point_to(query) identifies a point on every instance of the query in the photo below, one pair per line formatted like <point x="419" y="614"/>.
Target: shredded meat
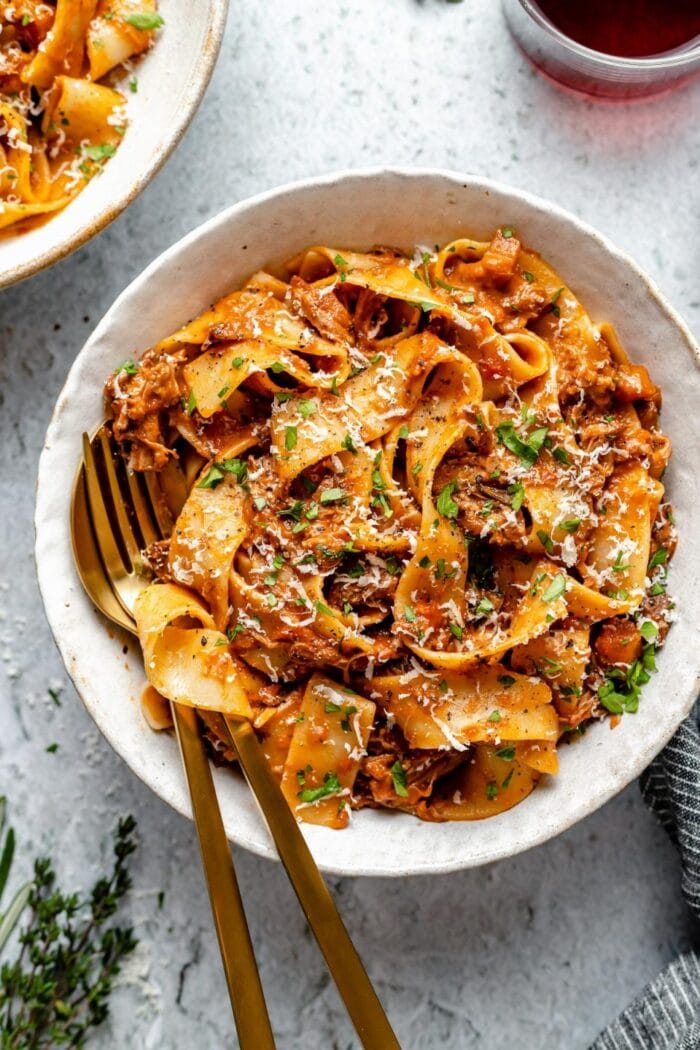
<point x="373" y="590"/>
<point x="482" y="500"/>
<point x="375" y="784"/>
<point x="138" y="401"/>
<point x="321" y="308"/>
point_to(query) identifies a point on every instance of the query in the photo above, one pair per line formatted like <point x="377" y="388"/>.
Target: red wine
<point x="629" y="28"/>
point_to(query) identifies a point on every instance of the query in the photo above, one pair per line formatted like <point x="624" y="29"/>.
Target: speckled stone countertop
<point x="537" y="952"/>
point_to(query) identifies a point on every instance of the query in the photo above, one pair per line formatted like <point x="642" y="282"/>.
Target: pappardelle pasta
<point x="419" y="531"/>
<point x="59" y="124"/>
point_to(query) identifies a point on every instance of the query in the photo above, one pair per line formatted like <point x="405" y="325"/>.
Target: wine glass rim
<point x="667" y="60"/>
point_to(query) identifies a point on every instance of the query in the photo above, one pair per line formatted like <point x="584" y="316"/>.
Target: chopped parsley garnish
<point x="546" y="541"/>
<point x="492" y="789"/>
<point x="506" y="753"/>
<point x="332" y="495"/>
<point x="484" y="607"/>
<point x="443" y="686"/>
<point x="307" y="408"/>
<point x="100" y="152"/>
<point x="409" y="614"/>
<point x="127" y="366"/>
<point x="290" y="438"/>
<point x="145" y="20"/>
<point x="495" y="716"/>
<point x="570" y="525"/>
<point x="445" y="504"/>
<point x="191" y="403"/>
<point x="556" y="588"/>
<point x="393" y="565"/>
<point x="506" y="680"/>
<point x="508" y="231"/>
<point x="217" y="471"/>
<point x="398" y="776"/>
<point x="554" y="308"/>
<point x="648" y="630"/>
<point x="517" y="494"/>
<point x="331" y="786"/>
<point x="133" y="85"/>
<point x="659" y="557"/>
<point x="618" y="565"/>
<point x="527" y="450"/>
<point x="456" y="631"/>
<point x="561" y="454"/>
<point x="403" y="431"/>
<point x="425" y="562"/>
<point x="348" y="444"/>
<point x="529" y="277"/>
<point x="321" y="607"/>
<point x="622" y="688"/>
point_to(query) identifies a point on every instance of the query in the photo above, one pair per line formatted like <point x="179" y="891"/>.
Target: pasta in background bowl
<point x="355" y="211"/>
<point x="95" y="95"/>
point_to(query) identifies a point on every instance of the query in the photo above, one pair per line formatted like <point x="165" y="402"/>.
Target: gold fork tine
<point x="144" y="515"/>
<point x="110" y="554"/>
<point x="158" y="508"/>
<point x="107" y="579"/>
<point x="87" y="558"/>
<point x="124" y="529"/>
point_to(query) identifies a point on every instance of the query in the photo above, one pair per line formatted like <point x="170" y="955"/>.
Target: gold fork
<point x="107" y="552"/>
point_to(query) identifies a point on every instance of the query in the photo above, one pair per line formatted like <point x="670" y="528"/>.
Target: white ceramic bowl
<point x="358" y="210"/>
<point x="172" y="78"/>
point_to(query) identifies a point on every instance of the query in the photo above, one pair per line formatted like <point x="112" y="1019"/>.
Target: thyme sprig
<point x="58" y="986"/>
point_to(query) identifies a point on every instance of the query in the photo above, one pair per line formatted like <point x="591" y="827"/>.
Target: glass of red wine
<point x="610" y="48"/>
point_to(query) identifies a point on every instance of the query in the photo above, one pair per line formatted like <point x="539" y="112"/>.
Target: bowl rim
<point x="262" y="846"/>
<point x="214" y="30"/>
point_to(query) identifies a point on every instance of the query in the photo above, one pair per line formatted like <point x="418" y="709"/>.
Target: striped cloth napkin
<point x="666" y="1016"/>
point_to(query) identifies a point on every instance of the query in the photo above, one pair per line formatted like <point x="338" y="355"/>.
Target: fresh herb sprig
<point x="58" y="987"/>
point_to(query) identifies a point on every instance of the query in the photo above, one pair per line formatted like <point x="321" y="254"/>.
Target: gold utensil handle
<point x="242" y="977"/>
<point x="345" y="965"/>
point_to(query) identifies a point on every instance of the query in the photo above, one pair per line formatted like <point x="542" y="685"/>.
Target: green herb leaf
<point x="290" y="438"/>
<point x="127" y="366"/>
<point x="331" y="786"/>
<point x="527" y="450"/>
<point x="484" y="607"/>
<point x="332" y="495"/>
<point x="556" y="588"/>
<point x="398" y="776"/>
<point x="445" y="504"/>
<point x="649" y="631"/>
<point x="307" y="408"/>
<point x="659" y="557"/>
<point x="145" y="20"/>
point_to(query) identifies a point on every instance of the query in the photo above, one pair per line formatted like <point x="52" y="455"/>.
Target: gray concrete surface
<point x="537" y="952"/>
